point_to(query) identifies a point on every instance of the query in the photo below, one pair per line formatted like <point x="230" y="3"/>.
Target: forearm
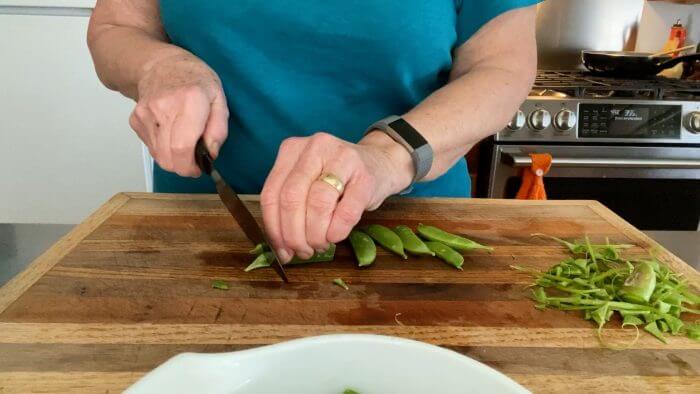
<point x="126" y="39"/>
<point x="467" y="109"/>
<point x="123" y="55"/>
<point x="489" y="79"/>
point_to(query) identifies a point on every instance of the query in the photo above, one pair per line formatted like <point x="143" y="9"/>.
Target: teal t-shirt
<point x="292" y="68"/>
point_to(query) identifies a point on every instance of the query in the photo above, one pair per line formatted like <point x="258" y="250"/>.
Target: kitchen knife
<point x="235" y="206"/>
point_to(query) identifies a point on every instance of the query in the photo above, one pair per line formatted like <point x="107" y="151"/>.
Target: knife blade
<point x="235" y="206"/>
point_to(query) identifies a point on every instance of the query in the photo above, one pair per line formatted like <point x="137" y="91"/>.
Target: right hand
<point x="180" y="100"/>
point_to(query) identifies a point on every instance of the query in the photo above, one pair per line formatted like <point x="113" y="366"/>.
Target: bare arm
<point x="126" y="38"/>
<point x="491" y="75"/>
<point x="179" y="98"/>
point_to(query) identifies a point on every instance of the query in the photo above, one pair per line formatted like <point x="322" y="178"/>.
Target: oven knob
<point x="565" y="120"/>
<point x="693" y="122"/>
<point x="540" y="120"/>
<point x="517" y="122"/>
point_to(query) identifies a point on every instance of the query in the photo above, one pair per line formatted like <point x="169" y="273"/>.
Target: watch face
<point x="408" y="133"/>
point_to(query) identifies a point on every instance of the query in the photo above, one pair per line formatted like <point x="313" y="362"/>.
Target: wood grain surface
<point x="131" y="287"/>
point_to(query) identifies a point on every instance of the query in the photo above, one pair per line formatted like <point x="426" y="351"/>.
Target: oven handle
<point x="523" y="160"/>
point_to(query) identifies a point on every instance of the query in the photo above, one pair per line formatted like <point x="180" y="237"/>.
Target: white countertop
<point x="48" y="3"/>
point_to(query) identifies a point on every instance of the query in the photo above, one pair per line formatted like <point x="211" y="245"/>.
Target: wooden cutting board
<point x="131" y="286"/>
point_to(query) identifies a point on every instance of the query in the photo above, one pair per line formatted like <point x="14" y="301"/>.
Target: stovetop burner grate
<point x="581" y="84"/>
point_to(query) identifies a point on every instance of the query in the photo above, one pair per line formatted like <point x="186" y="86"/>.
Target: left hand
<point x="303" y="214"/>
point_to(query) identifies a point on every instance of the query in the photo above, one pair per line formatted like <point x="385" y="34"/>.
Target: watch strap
<point x="403" y="133"/>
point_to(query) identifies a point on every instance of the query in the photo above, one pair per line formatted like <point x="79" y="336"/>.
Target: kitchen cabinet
<point x="65" y="142"/>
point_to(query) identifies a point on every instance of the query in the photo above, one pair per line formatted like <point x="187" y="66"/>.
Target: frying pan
<point x="630" y="64"/>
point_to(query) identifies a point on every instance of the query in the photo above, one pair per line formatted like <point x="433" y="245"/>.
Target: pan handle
<point x="672" y="62"/>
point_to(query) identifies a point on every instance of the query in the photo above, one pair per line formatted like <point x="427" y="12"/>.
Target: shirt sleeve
<point x="473" y="14"/>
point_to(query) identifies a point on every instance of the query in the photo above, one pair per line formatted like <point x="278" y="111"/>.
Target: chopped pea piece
<point x="261" y="261"/>
<point x="692" y="331"/>
<point x="341" y="283"/>
<point x="653" y="329"/>
<point x="350" y="391"/>
<point x="219" y="284"/>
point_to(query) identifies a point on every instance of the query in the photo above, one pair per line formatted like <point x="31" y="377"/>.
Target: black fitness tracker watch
<point x="402" y="132"/>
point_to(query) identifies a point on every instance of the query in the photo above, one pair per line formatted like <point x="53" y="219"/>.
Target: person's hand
<point x="180" y="100"/>
<point x="303" y="214"/>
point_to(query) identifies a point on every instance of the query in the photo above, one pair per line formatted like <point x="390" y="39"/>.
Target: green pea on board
<point x="364" y="248"/>
<point x="433" y="233"/>
<point x="327" y="255"/>
<point x="446" y="253"/>
<point x="265" y="259"/>
<point x="387" y="238"/>
<point x="411" y="242"/>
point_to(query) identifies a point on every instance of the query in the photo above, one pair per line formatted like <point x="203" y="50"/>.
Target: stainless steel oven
<point x="651" y="187"/>
<point x="632" y="145"/>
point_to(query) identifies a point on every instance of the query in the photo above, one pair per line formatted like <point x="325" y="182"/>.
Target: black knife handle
<point x="202" y="157"/>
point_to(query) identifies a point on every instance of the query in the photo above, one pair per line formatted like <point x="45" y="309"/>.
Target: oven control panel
<point x="554" y="119"/>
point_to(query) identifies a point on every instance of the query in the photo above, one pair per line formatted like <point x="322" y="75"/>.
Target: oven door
<point x="653" y="188"/>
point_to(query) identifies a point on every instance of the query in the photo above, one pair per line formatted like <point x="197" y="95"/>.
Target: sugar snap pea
<point x="327" y="255"/>
<point x="446" y="253"/>
<point x="265" y="259"/>
<point x="387" y="238"/>
<point x="364" y="248"/>
<point x="433" y="233"/>
<point x="411" y="242"/>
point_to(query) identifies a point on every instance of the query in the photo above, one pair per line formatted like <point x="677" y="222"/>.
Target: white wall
<point x="657" y="20"/>
<point x="65" y="142"/>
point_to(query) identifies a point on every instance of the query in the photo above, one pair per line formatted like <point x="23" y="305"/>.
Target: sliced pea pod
<point x="411" y="242"/>
<point x="387" y="238"/>
<point x="640" y="284"/>
<point x="259" y="249"/>
<point x="433" y="233"/>
<point x="364" y="248"/>
<point x="263" y="260"/>
<point x="220" y="284"/>
<point x="446" y="253"/>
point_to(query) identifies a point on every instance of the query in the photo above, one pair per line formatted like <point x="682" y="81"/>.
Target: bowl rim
<point x="319" y="340"/>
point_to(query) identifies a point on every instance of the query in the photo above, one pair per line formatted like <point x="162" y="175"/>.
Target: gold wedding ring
<point x="334" y="181"/>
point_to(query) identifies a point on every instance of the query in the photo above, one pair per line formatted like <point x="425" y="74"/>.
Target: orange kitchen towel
<point x="533" y="182"/>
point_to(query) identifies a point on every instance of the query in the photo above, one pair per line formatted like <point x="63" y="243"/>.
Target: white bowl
<point x="328" y="364"/>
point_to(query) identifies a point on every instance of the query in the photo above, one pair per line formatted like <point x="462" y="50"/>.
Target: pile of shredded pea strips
<point x="599" y="281"/>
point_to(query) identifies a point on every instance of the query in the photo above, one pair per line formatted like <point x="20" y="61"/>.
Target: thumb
<point x="216" y="129"/>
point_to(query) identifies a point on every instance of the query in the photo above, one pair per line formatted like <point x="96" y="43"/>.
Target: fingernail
<point x="320" y="250"/>
<point x="283" y="255"/>
<point x="306" y="254"/>
<point x="214" y="149"/>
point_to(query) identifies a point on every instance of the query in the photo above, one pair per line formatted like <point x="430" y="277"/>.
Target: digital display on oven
<point x="630" y="121"/>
